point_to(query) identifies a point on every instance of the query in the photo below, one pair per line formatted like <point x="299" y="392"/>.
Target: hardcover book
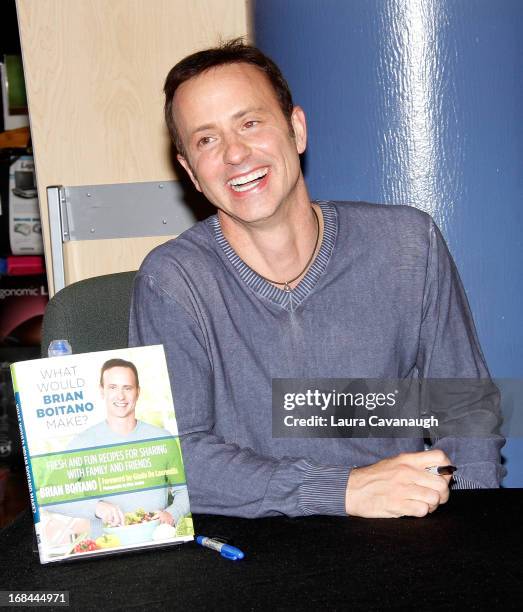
<point x="102" y="453"/>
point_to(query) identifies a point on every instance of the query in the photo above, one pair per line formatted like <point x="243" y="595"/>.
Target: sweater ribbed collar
<point x="285" y="299"/>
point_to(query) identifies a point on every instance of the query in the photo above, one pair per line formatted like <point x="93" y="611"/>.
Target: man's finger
<point x="431" y="481"/>
<point x="121" y="516"/>
<point x="426" y="458"/>
<point x="412" y="507"/>
<point x="426" y="495"/>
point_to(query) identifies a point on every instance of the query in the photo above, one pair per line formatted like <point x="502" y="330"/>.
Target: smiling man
<point x="277" y="286"/>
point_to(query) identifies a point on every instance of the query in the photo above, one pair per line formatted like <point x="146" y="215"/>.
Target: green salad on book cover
<point x="102" y="453"/>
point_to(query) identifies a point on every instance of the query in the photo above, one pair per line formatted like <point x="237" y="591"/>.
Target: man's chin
<point x="123" y="415"/>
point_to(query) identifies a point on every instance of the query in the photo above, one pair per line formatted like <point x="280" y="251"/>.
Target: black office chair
<point x="93" y="314"/>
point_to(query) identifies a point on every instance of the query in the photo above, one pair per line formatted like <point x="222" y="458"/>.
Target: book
<point x="102" y="453"/>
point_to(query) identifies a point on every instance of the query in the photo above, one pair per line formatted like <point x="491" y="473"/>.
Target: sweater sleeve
<point x="222" y="477"/>
<point x="449" y="349"/>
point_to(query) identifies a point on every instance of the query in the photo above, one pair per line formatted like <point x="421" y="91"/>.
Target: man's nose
<point x="235" y="150"/>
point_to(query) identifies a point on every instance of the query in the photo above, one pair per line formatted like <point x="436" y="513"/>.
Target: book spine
<point x="25" y="450"/>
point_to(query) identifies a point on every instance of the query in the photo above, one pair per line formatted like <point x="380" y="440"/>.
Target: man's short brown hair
<point x="119" y="363"/>
<point x="232" y="52"/>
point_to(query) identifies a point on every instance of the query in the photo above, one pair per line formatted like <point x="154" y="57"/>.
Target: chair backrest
<point x="93" y="314"/>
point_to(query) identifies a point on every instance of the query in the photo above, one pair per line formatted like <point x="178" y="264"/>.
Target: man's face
<point x="120" y="392"/>
<point x="239" y="149"/>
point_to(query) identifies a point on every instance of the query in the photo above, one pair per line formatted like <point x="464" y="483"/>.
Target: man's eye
<point x="251" y="123"/>
<point x="206" y="140"/>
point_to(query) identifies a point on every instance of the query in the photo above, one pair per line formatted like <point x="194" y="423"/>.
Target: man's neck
<point x="122" y="427"/>
<point x="278" y="248"/>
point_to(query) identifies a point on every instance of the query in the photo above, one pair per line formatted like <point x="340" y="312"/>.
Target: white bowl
<point x="134" y="534"/>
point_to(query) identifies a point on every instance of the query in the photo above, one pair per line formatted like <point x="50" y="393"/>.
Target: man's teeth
<point x="242" y="183"/>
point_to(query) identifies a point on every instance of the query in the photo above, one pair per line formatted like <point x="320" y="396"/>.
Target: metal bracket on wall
<point x="126" y="210"/>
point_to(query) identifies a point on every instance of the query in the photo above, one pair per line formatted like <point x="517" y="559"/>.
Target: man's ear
<point x="189" y="171"/>
<point x="299" y="126"/>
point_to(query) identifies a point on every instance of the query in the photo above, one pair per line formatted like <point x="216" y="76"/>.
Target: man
<point x="120" y="390"/>
<point x="275" y="286"/>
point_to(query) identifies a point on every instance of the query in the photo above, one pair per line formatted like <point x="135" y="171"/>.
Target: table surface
<point x="467" y="554"/>
<point x="16" y="497"/>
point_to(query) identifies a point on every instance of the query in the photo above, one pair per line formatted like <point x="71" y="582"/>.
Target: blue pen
<point x="225" y="550"/>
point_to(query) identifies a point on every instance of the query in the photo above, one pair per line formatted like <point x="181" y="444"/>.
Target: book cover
<point x="102" y="453"/>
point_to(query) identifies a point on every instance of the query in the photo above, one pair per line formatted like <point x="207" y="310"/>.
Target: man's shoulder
<point x="386" y="223"/>
<point x="151" y="431"/>
<point x="189" y="248"/>
<point x="191" y="258"/>
<point x="388" y="213"/>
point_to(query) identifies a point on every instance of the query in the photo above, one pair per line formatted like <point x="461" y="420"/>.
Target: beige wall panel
<point x="94" y="75"/>
<point x="87" y="258"/>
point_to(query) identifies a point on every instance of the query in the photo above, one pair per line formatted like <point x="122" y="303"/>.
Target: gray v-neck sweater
<point x="382" y="299"/>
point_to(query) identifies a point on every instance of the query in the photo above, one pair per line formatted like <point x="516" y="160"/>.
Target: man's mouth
<point x="248" y="181"/>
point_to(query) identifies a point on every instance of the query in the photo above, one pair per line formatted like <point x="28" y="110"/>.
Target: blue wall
<point x="421" y="102"/>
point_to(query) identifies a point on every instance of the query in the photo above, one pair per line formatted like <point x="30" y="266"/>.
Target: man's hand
<point x="109" y="513"/>
<point x="164" y="517"/>
<point x="398" y="486"/>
